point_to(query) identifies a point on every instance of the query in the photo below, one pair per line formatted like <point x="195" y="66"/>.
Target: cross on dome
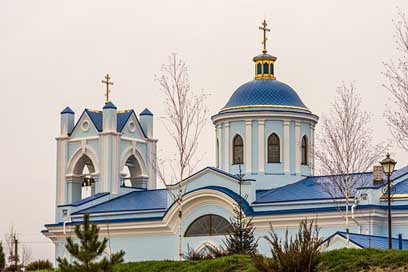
<point x="264" y="29"/>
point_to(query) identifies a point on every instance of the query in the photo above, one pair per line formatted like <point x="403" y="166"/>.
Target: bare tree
<point x="19" y="254"/>
<point x="345" y="149"/>
<point x="396" y="73"/>
<point x="185" y="115"/>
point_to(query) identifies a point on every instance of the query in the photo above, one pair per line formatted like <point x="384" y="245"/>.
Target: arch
<point x="271" y="70"/>
<point x="237" y="150"/>
<point x="266" y="68"/>
<point x="208" y="225"/>
<point x="130" y="151"/>
<point x="304" y="150"/>
<point x="259" y="68"/>
<point x="273" y="148"/>
<point x="74" y="162"/>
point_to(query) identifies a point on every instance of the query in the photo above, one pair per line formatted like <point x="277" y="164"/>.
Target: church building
<point x="106" y="167"/>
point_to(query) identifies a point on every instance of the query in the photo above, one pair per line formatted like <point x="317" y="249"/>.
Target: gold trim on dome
<point x="265" y="106"/>
<point x="395" y="196"/>
<point x="123" y="111"/>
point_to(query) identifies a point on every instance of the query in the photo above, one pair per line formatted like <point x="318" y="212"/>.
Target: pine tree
<point x="88" y="251"/>
<point x="241" y="238"/>
<point x="2" y="258"/>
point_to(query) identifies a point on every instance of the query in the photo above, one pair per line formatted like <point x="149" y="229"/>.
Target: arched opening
<point x="132" y="174"/>
<point x="271" y="68"/>
<point x="84" y="185"/>
<point x="273" y="149"/>
<point x="266" y="68"/>
<point x="304" y="150"/>
<point x="237" y="150"/>
<point x="259" y="68"/>
<point x="208" y="225"/>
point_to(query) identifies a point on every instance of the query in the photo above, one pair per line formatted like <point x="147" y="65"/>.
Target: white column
<point x="248" y="146"/>
<point x="286" y="146"/>
<point x="226" y="147"/>
<point x="61" y="166"/>
<point x="311" y="153"/>
<point x="298" y="147"/>
<point x="218" y="151"/>
<point x="261" y="146"/>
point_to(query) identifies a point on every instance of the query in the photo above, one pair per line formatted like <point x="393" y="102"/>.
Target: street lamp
<point x="388" y="166"/>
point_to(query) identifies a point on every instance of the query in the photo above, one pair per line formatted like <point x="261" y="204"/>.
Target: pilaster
<point x="286" y="146"/>
<point x="227" y="144"/>
<point x="261" y="146"/>
<point x="298" y="147"/>
<point x="248" y="146"/>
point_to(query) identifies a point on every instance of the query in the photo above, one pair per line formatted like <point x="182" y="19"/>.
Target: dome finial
<point x="264" y="29"/>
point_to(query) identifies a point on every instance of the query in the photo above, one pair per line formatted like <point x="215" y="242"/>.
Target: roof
<point x="122" y="118"/>
<point x="67" y="110"/>
<point x="310" y="188"/>
<point x="109" y="105"/>
<point x="264" y="56"/>
<point x="85" y="200"/>
<point x="265" y="93"/>
<point x="371" y="241"/>
<point x="146" y="111"/>
<point x="133" y="201"/>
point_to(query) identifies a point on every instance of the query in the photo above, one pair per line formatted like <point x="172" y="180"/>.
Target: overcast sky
<point x="54" y="53"/>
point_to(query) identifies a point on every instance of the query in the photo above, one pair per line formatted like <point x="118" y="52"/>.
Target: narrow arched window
<point x="208" y="225"/>
<point x="304" y="150"/>
<point x="238" y="150"/>
<point x="259" y="68"/>
<point x="266" y="68"/>
<point x="272" y="68"/>
<point x="273" y="149"/>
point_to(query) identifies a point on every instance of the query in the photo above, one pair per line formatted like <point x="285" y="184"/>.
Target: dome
<point x="265" y="94"/>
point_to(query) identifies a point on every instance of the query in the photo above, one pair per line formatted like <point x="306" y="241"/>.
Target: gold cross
<point x="107" y="82"/>
<point x="264" y="24"/>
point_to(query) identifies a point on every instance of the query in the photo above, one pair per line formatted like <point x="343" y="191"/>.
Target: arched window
<point x="273" y="149"/>
<point x="272" y="68"/>
<point x="208" y="225"/>
<point x="304" y="150"/>
<point x="266" y="68"/>
<point x="133" y="174"/>
<point x="259" y="69"/>
<point x="238" y="150"/>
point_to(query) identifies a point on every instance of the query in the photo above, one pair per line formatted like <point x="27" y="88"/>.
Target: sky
<point x="54" y="53"/>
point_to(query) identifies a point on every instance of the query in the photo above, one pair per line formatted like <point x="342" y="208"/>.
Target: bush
<point x="298" y="254"/>
<point x="39" y="265"/>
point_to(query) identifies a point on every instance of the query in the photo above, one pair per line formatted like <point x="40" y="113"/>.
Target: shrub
<point x="39" y="265"/>
<point x="298" y="254"/>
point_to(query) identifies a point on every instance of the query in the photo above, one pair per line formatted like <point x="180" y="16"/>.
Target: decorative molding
<point x="297" y="148"/>
<point x="261" y="146"/>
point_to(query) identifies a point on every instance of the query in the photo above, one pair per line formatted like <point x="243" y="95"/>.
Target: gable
<point x="86" y="125"/>
<point x="129" y="125"/>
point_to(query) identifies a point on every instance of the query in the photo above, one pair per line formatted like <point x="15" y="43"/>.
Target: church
<point x="106" y="167"/>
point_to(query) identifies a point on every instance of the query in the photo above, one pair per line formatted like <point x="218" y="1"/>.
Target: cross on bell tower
<point x="107" y="82"/>
<point x="264" y="29"/>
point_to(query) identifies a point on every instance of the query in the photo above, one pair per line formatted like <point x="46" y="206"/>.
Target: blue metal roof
<point x="133" y="201"/>
<point x="146" y="111"/>
<point x="371" y="241"/>
<point x="109" y="105"/>
<point x="67" y="110"/>
<point x="122" y="118"/>
<point x="310" y="188"/>
<point x="264" y="56"/>
<point x="85" y="200"/>
<point x="264" y="92"/>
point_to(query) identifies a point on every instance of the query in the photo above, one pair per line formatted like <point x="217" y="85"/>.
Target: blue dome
<point x="264" y="94"/>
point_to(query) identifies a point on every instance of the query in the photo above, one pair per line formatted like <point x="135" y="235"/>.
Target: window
<point x="259" y="69"/>
<point x="304" y="150"/>
<point x="208" y="225"/>
<point x="272" y="68"/>
<point x="273" y="149"/>
<point x="266" y="68"/>
<point x="238" y="150"/>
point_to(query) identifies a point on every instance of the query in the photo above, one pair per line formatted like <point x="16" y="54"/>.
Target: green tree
<point x="2" y="258"/>
<point x="240" y="238"/>
<point x="87" y="254"/>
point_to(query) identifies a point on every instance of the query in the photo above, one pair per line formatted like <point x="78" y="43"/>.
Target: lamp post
<point x="388" y="166"/>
